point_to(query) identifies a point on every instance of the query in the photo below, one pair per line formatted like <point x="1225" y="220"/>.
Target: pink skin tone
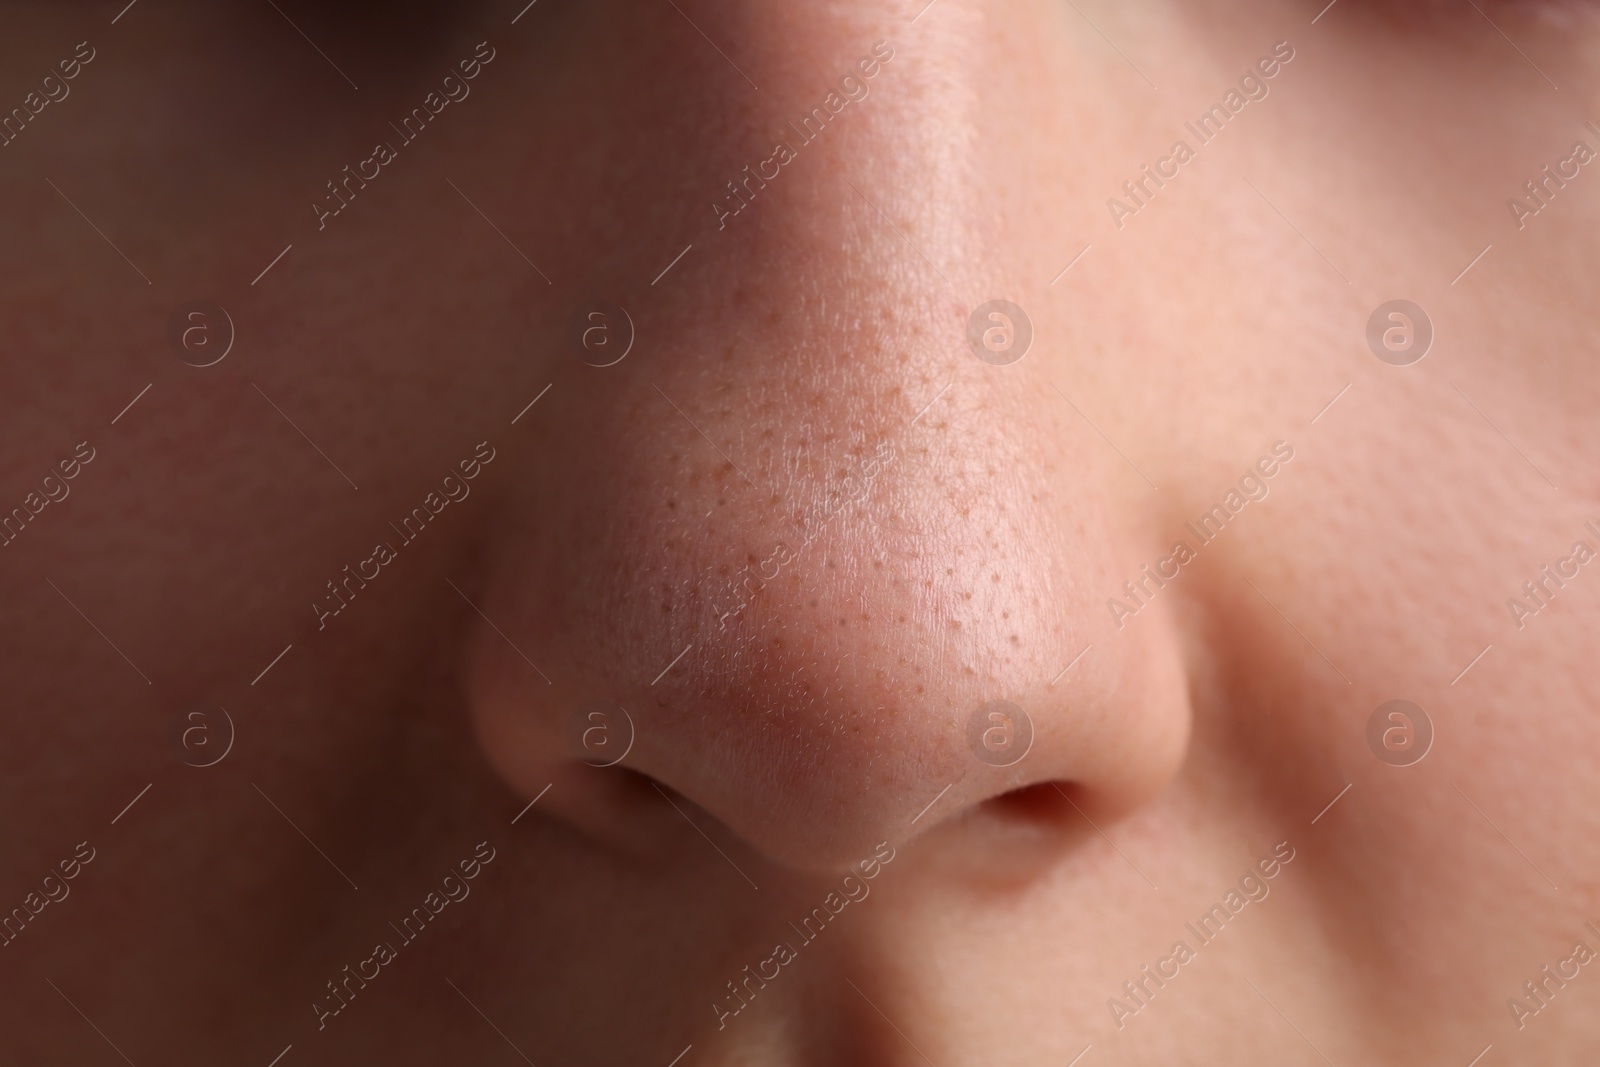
<point x="801" y="533"/>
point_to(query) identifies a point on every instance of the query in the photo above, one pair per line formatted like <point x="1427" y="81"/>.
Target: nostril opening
<point x="1042" y="802"/>
<point x="1008" y="840"/>
<point x="636" y="787"/>
<point x="629" y="811"/>
<point x="648" y="797"/>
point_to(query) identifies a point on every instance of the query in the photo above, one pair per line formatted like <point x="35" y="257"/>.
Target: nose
<point x="804" y="559"/>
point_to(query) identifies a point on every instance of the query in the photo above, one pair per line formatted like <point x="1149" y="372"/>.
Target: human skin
<point x="776" y="746"/>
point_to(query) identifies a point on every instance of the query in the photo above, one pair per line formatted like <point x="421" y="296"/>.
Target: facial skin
<point x="801" y="534"/>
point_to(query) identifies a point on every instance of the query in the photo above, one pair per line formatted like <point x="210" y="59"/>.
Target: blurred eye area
<point x="1474" y="16"/>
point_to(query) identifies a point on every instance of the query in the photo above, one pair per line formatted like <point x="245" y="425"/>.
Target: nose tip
<point x="868" y="653"/>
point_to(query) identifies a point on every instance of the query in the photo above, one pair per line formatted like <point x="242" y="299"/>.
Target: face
<point x="969" y="535"/>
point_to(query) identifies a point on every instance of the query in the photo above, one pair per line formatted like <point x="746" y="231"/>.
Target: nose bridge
<point x="862" y="108"/>
<point x="760" y="128"/>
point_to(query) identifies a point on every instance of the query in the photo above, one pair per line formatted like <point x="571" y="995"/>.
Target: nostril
<point x="624" y="810"/>
<point x="1010" y="839"/>
<point x="647" y="796"/>
<point x="1041" y="802"/>
<point x="633" y="814"/>
<point x="634" y="788"/>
